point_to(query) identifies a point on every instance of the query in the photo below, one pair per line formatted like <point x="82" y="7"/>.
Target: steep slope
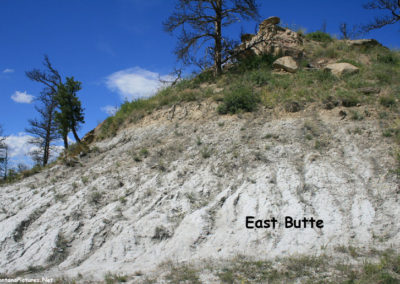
<point x="179" y="184"/>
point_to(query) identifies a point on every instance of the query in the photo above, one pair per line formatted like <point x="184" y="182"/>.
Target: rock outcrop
<point x="273" y="39"/>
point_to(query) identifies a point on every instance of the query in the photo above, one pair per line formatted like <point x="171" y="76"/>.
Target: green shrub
<point x="246" y="63"/>
<point x="348" y="99"/>
<point x="387" y="101"/>
<point x="388" y="58"/>
<point x="95" y="197"/>
<point x="144" y="152"/>
<point x="355" y="115"/>
<point x="319" y="36"/>
<point x="240" y="98"/>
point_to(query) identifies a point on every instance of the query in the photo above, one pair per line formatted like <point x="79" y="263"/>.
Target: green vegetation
<point x="95" y="197"/>
<point x="110" y="278"/>
<point x="319" y="36"/>
<point x="181" y="273"/>
<point x="250" y="83"/>
<point x="239" y="98"/>
<point x="295" y="269"/>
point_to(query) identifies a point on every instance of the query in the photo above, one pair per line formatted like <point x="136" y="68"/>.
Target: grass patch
<point x="387" y="101"/>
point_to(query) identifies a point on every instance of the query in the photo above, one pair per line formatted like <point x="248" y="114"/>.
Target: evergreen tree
<point x="70" y="113"/>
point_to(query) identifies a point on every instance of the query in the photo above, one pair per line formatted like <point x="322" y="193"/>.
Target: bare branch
<point x="201" y="21"/>
<point x="392" y="7"/>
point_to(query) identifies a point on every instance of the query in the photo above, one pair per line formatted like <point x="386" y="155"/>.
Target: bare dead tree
<point x="3" y="155"/>
<point x="202" y="21"/>
<point x="392" y="16"/>
<point x="174" y="77"/>
<point x="45" y="129"/>
<point x="347" y="32"/>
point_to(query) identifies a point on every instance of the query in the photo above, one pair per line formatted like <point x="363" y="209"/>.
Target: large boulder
<point x="286" y="63"/>
<point x="339" y="69"/>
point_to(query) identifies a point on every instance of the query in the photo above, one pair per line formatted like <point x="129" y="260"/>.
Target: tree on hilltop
<point x="44" y="129"/>
<point x="70" y="113"/>
<point x="201" y="22"/>
<point x="392" y="16"/>
<point x="60" y="111"/>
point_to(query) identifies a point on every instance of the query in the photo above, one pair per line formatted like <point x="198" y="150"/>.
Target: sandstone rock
<point x="363" y="42"/>
<point x="270" y="21"/>
<point x="286" y="63"/>
<point x="339" y="69"/>
<point x="272" y="39"/>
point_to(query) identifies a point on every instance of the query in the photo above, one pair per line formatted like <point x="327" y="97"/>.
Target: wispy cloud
<point x="134" y="83"/>
<point x="8" y="70"/>
<point x="22" y="97"/>
<point x="110" y="110"/>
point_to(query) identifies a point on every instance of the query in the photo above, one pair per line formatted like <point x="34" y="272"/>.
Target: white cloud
<point x="18" y="145"/>
<point x="134" y="83"/>
<point x="19" y="148"/>
<point x="8" y="70"/>
<point x="22" y="97"/>
<point x="110" y="110"/>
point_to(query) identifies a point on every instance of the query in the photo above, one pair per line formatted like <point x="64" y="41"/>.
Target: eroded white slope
<point x="178" y="203"/>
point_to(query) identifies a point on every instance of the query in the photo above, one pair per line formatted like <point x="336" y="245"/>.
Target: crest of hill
<point x="278" y="68"/>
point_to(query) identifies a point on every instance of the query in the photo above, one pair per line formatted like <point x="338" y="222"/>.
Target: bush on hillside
<point x="319" y="36"/>
<point x="240" y="98"/>
<point x="388" y="58"/>
<point x="252" y="62"/>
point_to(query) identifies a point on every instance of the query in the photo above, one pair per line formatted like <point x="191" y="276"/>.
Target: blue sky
<point x="118" y="49"/>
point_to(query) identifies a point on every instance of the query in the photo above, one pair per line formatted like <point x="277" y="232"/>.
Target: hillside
<point x="163" y="190"/>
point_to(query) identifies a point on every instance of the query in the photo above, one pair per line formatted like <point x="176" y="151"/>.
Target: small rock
<point x="286" y="63"/>
<point x="339" y="69"/>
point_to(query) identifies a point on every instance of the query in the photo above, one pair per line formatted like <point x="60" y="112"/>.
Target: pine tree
<point x="70" y="113"/>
